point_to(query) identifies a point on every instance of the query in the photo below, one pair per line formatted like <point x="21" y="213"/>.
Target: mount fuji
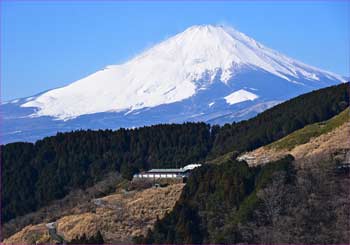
<point x="207" y="73"/>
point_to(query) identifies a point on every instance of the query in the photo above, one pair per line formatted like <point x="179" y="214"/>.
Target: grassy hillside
<point x="304" y="135"/>
<point x="294" y="139"/>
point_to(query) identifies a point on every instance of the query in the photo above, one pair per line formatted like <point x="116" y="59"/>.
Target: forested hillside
<point x="274" y="204"/>
<point x="35" y="174"/>
<point x="214" y="201"/>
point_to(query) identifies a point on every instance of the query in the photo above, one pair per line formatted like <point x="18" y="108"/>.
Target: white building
<point x="167" y="173"/>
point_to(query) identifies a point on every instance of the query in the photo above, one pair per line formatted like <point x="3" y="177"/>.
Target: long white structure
<point x="167" y="173"/>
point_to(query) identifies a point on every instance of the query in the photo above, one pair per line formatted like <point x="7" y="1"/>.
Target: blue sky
<point x="50" y="44"/>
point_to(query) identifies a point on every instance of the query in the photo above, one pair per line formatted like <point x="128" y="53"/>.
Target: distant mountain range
<point x="207" y="73"/>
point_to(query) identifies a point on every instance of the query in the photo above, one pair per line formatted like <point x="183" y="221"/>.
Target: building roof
<point x="167" y="170"/>
<point x="173" y="170"/>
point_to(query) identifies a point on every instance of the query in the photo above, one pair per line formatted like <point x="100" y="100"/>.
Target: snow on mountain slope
<point x="172" y="71"/>
<point x="240" y="96"/>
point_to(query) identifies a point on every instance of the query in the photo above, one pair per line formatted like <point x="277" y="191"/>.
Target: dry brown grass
<point x="32" y="234"/>
<point x="122" y="216"/>
<point x="338" y="138"/>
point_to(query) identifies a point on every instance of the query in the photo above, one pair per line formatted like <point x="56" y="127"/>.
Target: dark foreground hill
<point x="33" y="175"/>
<point x="279" y="202"/>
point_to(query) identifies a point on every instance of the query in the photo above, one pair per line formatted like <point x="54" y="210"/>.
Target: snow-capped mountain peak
<point x="169" y="72"/>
